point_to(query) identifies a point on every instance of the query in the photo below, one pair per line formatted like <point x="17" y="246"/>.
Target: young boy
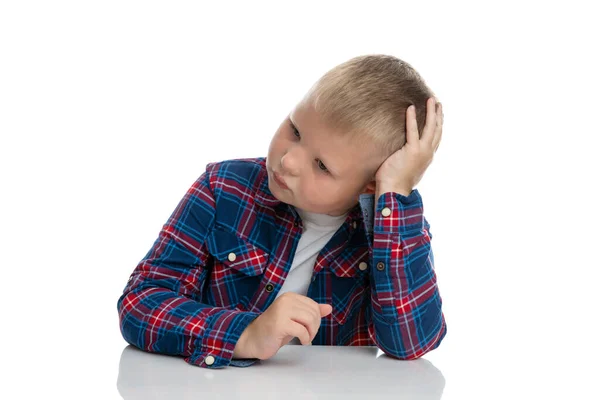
<point x="323" y="241"/>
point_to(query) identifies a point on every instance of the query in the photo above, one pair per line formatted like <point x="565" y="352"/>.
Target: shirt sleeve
<point x="405" y="318"/>
<point x="160" y="311"/>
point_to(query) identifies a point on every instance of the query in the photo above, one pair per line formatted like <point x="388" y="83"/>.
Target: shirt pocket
<point x="237" y="269"/>
<point x="233" y="254"/>
<point x="349" y="283"/>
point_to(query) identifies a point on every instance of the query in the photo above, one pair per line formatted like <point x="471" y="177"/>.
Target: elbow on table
<point x="405" y="356"/>
<point x="417" y="353"/>
<point x="125" y="305"/>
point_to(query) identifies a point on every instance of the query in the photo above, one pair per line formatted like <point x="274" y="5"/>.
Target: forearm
<point x="159" y="311"/>
<point x="406" y="307"/>
<point x="158" y="320"/>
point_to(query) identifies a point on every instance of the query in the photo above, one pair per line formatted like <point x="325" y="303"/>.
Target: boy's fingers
<point x="322" y="310"/>
<point x="306" y="300"/>
<point x="298" y="330"/>
<point x="308" y="304"/>
<point x="325" y="309"/>
<point x="438" y="129"/>
<point x="306" y="313"/>
<point x="412" y="130"/>
<point x="287" y="339"/>
<point x="308" y="317"/>
<point x="430" y="120"/>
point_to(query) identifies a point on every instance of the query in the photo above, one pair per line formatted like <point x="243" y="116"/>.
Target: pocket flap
<point x="348" y="263"/>
<point x="237" y="253"/>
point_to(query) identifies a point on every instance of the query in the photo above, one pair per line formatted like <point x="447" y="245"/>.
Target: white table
<point x="295" y="372"/>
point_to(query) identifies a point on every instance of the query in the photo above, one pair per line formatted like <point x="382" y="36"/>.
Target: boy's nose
<point x="289" y="164"/>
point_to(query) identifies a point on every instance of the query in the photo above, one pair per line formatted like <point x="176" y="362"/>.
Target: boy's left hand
<point x="402" y="170"/>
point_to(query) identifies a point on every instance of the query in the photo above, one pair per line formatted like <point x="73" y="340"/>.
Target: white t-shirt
<point x="318" y="230"/>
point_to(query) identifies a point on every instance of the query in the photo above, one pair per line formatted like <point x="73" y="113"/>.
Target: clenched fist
<point x="291" y="315"/>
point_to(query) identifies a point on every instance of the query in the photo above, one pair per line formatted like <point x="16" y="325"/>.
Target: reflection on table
<point x="296" y="372"/>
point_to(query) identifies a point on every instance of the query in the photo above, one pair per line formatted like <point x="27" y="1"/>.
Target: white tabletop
<point x="296" y="372"/>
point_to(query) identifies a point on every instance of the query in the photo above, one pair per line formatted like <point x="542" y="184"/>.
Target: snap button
<point x="210" y="360"/>
<point x="386" y="212"/>
<point x="269" y="287"/>
<point x="380" y="266"/>
<point x="231" y="257"/>
<point x="362" y="266"/>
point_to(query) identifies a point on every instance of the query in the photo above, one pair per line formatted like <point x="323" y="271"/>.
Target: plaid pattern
<point x="224" y="252"/>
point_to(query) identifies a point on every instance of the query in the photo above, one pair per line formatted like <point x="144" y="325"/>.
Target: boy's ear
<point x="370" y="188"/>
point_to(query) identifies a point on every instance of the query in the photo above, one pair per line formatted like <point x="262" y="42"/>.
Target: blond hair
<point x="366" y="98"/>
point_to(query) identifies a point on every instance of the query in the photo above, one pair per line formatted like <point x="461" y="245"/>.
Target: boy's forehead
<point x="352" y="152"/>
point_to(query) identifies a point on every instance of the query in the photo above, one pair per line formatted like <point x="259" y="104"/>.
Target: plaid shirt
<point x="226" y="249"/>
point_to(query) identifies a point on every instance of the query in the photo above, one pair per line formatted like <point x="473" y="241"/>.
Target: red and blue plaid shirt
<point x="224" y="253"/>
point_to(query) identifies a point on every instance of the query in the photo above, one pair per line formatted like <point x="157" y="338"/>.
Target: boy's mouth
<point x="279" y="180"/>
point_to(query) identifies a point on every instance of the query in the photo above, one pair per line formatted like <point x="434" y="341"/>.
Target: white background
<point x="110" y="110"/>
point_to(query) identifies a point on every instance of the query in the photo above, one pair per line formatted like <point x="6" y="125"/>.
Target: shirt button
<point x="354" y="224"/>
<point x="210" y="360"/>
<point x="231" y="257"/>
<point x="362" y="266"/>
<point x="380" y="266"/>
<point x="386" y="212"/>
<point x="269" y="288"/>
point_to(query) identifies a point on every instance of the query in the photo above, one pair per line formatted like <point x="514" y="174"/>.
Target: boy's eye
<point x="321" y="165"/>
<point x="295" y="132"/>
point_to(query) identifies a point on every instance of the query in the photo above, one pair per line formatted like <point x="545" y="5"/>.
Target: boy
<point x="323" y="241"/>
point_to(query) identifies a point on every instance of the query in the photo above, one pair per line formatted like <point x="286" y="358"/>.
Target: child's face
<point x="324" y="172"/>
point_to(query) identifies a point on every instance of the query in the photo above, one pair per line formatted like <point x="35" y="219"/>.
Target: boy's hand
<point x="401" y="171"/>
<point x="291" y="315"/>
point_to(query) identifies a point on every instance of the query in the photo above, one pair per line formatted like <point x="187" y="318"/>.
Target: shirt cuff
<point x="214" y="348"/>
<point x="243" y="362"/>
<point x="399" y="214"/>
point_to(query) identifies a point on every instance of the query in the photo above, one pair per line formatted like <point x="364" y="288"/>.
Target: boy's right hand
<point x="291" y="315"/>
